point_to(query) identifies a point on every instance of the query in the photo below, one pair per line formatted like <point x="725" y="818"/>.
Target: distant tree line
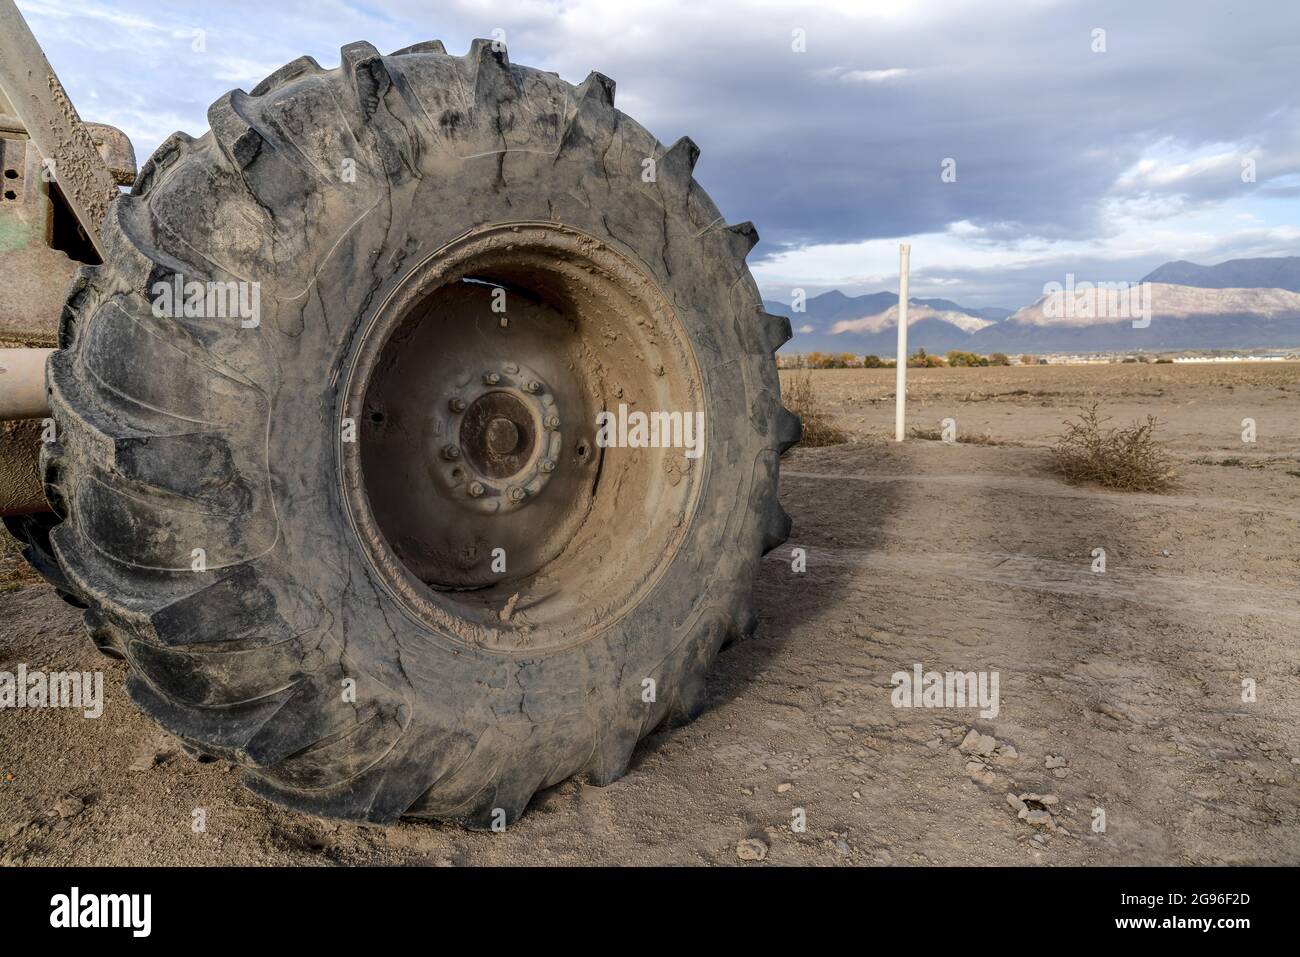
<point x="920" y="359"/>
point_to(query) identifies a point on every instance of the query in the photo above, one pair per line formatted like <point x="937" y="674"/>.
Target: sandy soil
<point x="957" y="557"/>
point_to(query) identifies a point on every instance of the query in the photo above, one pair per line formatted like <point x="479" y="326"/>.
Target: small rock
<point x="976" y="743"/>
<point x="782" y="788"/>
<point x="1005" y="754"/>
<point x="1044" y="799"/>
<point x="1015" y="802"/>
<point x="69" y="806"/>
<point x="979" y="773"/>
<point x="751" y="849"/>
<point x="1039" y="819"/>
<point x="1110" y="711"/>
<point x="1055" y="762"/>
<point x="153" y="751"/>
<point x="1061" y="773"/>
<point x="857" y="795"/>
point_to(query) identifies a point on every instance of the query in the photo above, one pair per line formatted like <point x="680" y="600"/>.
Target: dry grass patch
<point x="1130" y="458"/>
<point x="963" y="438"/>
<point x="802" y="399"/>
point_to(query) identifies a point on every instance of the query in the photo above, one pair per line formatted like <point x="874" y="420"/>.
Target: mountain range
<point x="1241" y="303"/>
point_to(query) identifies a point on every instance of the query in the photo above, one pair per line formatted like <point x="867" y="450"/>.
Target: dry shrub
<point x="801" y="398"/>
<point x="1125" y="458"/>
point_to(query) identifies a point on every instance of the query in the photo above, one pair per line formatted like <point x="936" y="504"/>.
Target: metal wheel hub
<point x="500" y="439"/>
<point x="476" y="485"/>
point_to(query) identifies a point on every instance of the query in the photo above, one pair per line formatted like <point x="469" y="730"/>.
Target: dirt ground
<point x="964" y="557"/>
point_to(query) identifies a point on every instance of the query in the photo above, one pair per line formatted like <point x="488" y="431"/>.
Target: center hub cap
<point x="502" y="436"/>
<point x="501" y="439"/>
<point x="497" y="434"/>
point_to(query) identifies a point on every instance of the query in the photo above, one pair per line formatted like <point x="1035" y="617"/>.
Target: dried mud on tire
<point x="329" y="189"/>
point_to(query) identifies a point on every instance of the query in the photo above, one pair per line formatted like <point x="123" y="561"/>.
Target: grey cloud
<point x="1041" y="127"/>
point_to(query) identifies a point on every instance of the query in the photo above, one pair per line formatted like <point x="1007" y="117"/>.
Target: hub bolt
<point x="450" y="452"/>
<point x="533" y="386"/>
<point x="491" y="378"/>
<point x="546" y="465"/>
<point x="516" y="493"/>
<point x="552" y="421"/>
<point x="457" y="404"/>
<point x="475" y="489"/>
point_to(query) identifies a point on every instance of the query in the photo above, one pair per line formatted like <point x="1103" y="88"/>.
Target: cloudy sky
<point x="1098" y="153"/>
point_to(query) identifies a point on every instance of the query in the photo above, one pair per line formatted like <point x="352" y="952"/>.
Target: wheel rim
<point x="475" y="482"/>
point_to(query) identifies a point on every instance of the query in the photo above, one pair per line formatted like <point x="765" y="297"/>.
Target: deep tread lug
<point x="776" y="527"/>
<point x="424" y="46"/>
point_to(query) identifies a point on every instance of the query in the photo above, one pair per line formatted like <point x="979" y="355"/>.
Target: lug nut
<point x="552" y="421"/>
<point x="457" y="404"/>
<point x="516" y="493"/>
<point x="547" y="465"/>
<point x="475" y="489"/>
<point x="450" y="452"/>
<point x="491" y="378"/>
<point x="533" y="386"/>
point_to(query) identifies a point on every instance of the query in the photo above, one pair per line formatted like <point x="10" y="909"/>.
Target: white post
<point x="900" y="364"/>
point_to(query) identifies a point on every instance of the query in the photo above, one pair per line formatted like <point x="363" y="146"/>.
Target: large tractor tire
<point x="365" y="543"/>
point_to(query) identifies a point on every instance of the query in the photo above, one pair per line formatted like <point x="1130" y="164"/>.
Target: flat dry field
<point x="965" y="557"/>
